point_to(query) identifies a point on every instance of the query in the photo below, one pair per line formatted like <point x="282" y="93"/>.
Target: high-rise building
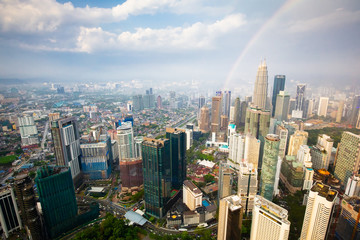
<point x="232" y="115"/>
<point x="224" y="122"/>
<point x="159" y="102"/>
<point x="303" y="155"/>
<point x="348" y="226"/>
<point x="236" y="149"/>
<point x="252" y="150"/>
<point x="28" y="131"/>
<point x="57" y="196"/>
<point x="9" y="214"/>
<point x="137" y="146"/>
<point x="177" y="139"/>
<point x="201" y="102"/>
<point x="323" y="106"/>
<point x="26" y="200"/>
<point x="261" y="87"/>
<point x="204" y="120"/>
<point x="66" y="138"/>
<point x="96" y="158"/>
<point x="296" y="140"/>
<point x="125" y="139"/>
<point x="348" y="157"/>
<point x="321" y="153"/>
<point x="131" y="172"/>
<point x="292" y="105"/>
<point x="138" y="103"/>
<point x="227" y="103"/>
<point x="282" y="132"/>
<point x="192" y="196"/>
<point x="318" y="212"/>
<point x="247" y="186"/>
<point x="355" y="110"/>
<point x="310" y="108"/>
<point x="279" y="85"/>
<point x="237" y="114"/>
<point x="292" y="174"/>
<point x="243" y="108"/>
<point x="54" y="116"/>
<point x="282" y="106"/>
<point x="353" y="186"/>
<point x="300" y="97"/>
<point x="269" y="166"/>
<point x="257" y="122"/>
<point x="149" y="101"/>
<point x="225" y="179"/>
<point x="215" y="113"/>
<point x="340" y="111"/>
<point x="269" y="221"/>
<point x="230" y="218"/>
<point x="157" y="175"/>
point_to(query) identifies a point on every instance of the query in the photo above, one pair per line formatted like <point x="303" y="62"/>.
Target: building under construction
<point x="348" y="226"/>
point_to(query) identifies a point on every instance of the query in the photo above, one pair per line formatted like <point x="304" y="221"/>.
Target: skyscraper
<point x="340" y="110"/>
<point x="269" y="166"/>
<point x="237" y="114"/>
<point x="318" y="212"/>
<point x="261" y="86"/>
<point x="247" y="186"/>
<point x="243" y="108"/>
<point x="300" y="101"/>
<point x="252" y="150"/>
<point x="321" y="153"/>
<point x="323" y="106"/>
<point x="279" y="85"/>
<point x="269" y="221"/>
<point x="28" y="131"/>
<point x="296" y="140"/>
<point x="138" y="103"/>
<point x="230" y="218"/>
<point x="236" y="149"/>
<point x="257" y="122"/>
<point x="355" y="110"/>
<point x="201" y="102"/>
<point x="177" y="139"/>
<point x="215" y="113"/>
<point x="9" y="213"/>
<point x="57" y="197"/>
<point x="282" y="132"/>
<point x="204" y="120"/>
<point x="65" y="135"/>
<point x="348" y="157"/>
<point x="159" y="102"/>
<point x="347" y="226"/>
<point x="157" y="175"/>
<point x="227" y="103"/>
<point x="27" y="205"/>
<point x="282" y="106"/>
<point x="225" y="175"/>
<point x="125" y="139"/>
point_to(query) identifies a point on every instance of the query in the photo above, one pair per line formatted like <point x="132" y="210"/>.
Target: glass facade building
<point x="279" y="85"/>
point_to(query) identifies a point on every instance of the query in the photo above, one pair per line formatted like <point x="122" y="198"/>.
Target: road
<point x="14" y="169"/>
<point x="46" y="130"/>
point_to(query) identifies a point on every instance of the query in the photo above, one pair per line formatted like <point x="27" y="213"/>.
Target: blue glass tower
<point x="279" y="85"/>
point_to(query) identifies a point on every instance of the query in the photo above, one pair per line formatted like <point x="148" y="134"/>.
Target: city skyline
<point x="179" y="41"/>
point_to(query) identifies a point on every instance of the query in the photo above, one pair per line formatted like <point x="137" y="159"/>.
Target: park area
<point x="6" y="160"/>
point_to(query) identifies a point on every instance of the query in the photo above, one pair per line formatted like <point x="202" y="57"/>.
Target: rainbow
<point x="284" y="8"/>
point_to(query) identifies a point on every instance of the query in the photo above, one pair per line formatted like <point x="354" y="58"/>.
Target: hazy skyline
<point x="220" y="43"/>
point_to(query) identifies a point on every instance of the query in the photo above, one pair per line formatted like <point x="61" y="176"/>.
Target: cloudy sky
<point x="219" y="43"/>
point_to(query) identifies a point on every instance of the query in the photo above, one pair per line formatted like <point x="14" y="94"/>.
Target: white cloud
<point x="196" y="36"/>
<point x="337" y="18"/>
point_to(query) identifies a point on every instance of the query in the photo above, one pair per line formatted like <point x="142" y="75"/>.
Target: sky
<point x="212" y="43"/>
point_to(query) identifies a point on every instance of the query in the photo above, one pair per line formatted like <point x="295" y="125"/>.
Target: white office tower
<point x="236" y="150"/>
<point x="252" y="150"/>
<point x="247" y="186"/>
<point x="230" y="218"/>
<point x="232" y="114"/>
<point x="353" y="186"/>
<point x="192" y="196"/>
<point x="323" y="106"/>
<point x="318" y="212"/>
<point x="282" y="132"/>
<point x="322" y="156"/>
<point x="125" y="138"/>
<point x="304" y="157"/>
<point x="261" y="86"/>
<point x="277" y="176"/>
<point x="9" y="213"/>
<point x="189" y="138"/>
<point x="28" y="131"/>
<point x="296" y="140"/>
<point x="138" y="141"/>
<point x="269" y="221"/>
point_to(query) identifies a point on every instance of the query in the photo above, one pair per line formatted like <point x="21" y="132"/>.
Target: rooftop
<point x="324" y="191"/>
<point x="192" y="187"/>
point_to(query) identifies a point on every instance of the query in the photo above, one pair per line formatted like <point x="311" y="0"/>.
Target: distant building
<point x="340" y="111"/>
<point x="323" y="106"/>
<point x="159" y="102"/>
<point x="204" y="120"/>
<point x="318" y="213"/>
<point x="236" y="149"/>
<point x="355" y="110"/>
<point x="216" y="113"/>
<point x="257" y="122"/>
<point x="270" y="166"/>
<point x="28" y="131"/>
<point x="9" y="213"/>
<point x="230" y="218"/>
<point x="226" y="103"/>
<point x="137" y="144"/>
<point x="65" y="134"/>
<point x="131" y="172"/>
<point x="269" y="221"/>
<point x="192" y="196"/>
<point x="225" y="181"/>
<point x="282" y="106"/>
<point x="300" y="100"/>
<point x="261" y="87"/>
<point x="54" y="116"/>
<point x="279" y="85"/>
<point x="348" y="157"/>
<point x="201" y="102"/>
<point x="247" y="186"/>
<point x="138" y="103"/>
